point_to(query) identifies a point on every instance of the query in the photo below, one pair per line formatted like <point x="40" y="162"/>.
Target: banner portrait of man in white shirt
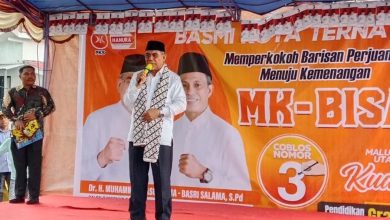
<point x="104" y="148"/>
<point x="209" y="152"/>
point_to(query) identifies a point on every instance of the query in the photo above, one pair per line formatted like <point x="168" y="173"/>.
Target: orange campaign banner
<point x="297" y="121"/>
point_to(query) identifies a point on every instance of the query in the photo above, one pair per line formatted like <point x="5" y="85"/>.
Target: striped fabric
<point x="149" y="134"/>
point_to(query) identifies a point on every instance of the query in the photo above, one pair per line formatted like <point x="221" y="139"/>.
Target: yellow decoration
<point x="29" y="130"/>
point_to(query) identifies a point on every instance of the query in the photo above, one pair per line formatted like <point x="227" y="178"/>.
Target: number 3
<point x="296" y="180"/>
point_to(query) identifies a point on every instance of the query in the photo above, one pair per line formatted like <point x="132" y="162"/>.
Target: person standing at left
<point x="26" y="106"/>
<point x="154" y="98"/>
<point x="5" y="159"/>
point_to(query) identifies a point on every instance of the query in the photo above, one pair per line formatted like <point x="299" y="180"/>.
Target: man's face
<point x="197" y="91"/>
<point x="123" y="82"/>
<point x="3" y="122"/>
<point x="28" y="77"/>
<point x="155" y="57"/>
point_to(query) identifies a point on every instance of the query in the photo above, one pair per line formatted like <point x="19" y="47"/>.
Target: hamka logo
<point x="123" y="42"/>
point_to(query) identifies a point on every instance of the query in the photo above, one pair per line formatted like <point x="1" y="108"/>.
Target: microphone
<point x="148" y="68"/>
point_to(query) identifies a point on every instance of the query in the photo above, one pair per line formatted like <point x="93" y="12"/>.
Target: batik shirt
<point x="19" y="101"/>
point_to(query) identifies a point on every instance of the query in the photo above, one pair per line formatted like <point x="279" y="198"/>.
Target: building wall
<point x="11" y="52"/>
<point x="16" y="49"/>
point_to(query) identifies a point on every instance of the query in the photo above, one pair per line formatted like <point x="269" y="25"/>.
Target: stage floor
<point x="60" y="207"/>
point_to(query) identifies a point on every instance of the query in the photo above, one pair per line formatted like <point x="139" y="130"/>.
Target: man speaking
<point x="154" y="97"/>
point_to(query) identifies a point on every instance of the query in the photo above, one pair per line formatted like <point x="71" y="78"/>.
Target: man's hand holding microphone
<point x="141" y="78"/>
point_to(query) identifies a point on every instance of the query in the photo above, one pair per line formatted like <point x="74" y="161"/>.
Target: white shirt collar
<point x="201" y="119"/>
<point x="159" y="73"/>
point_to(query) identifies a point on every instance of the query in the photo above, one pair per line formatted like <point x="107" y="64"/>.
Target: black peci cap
<point x="193" y="62"/>
<point x="133" y="63"/>
<point x="155" y="45"/>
